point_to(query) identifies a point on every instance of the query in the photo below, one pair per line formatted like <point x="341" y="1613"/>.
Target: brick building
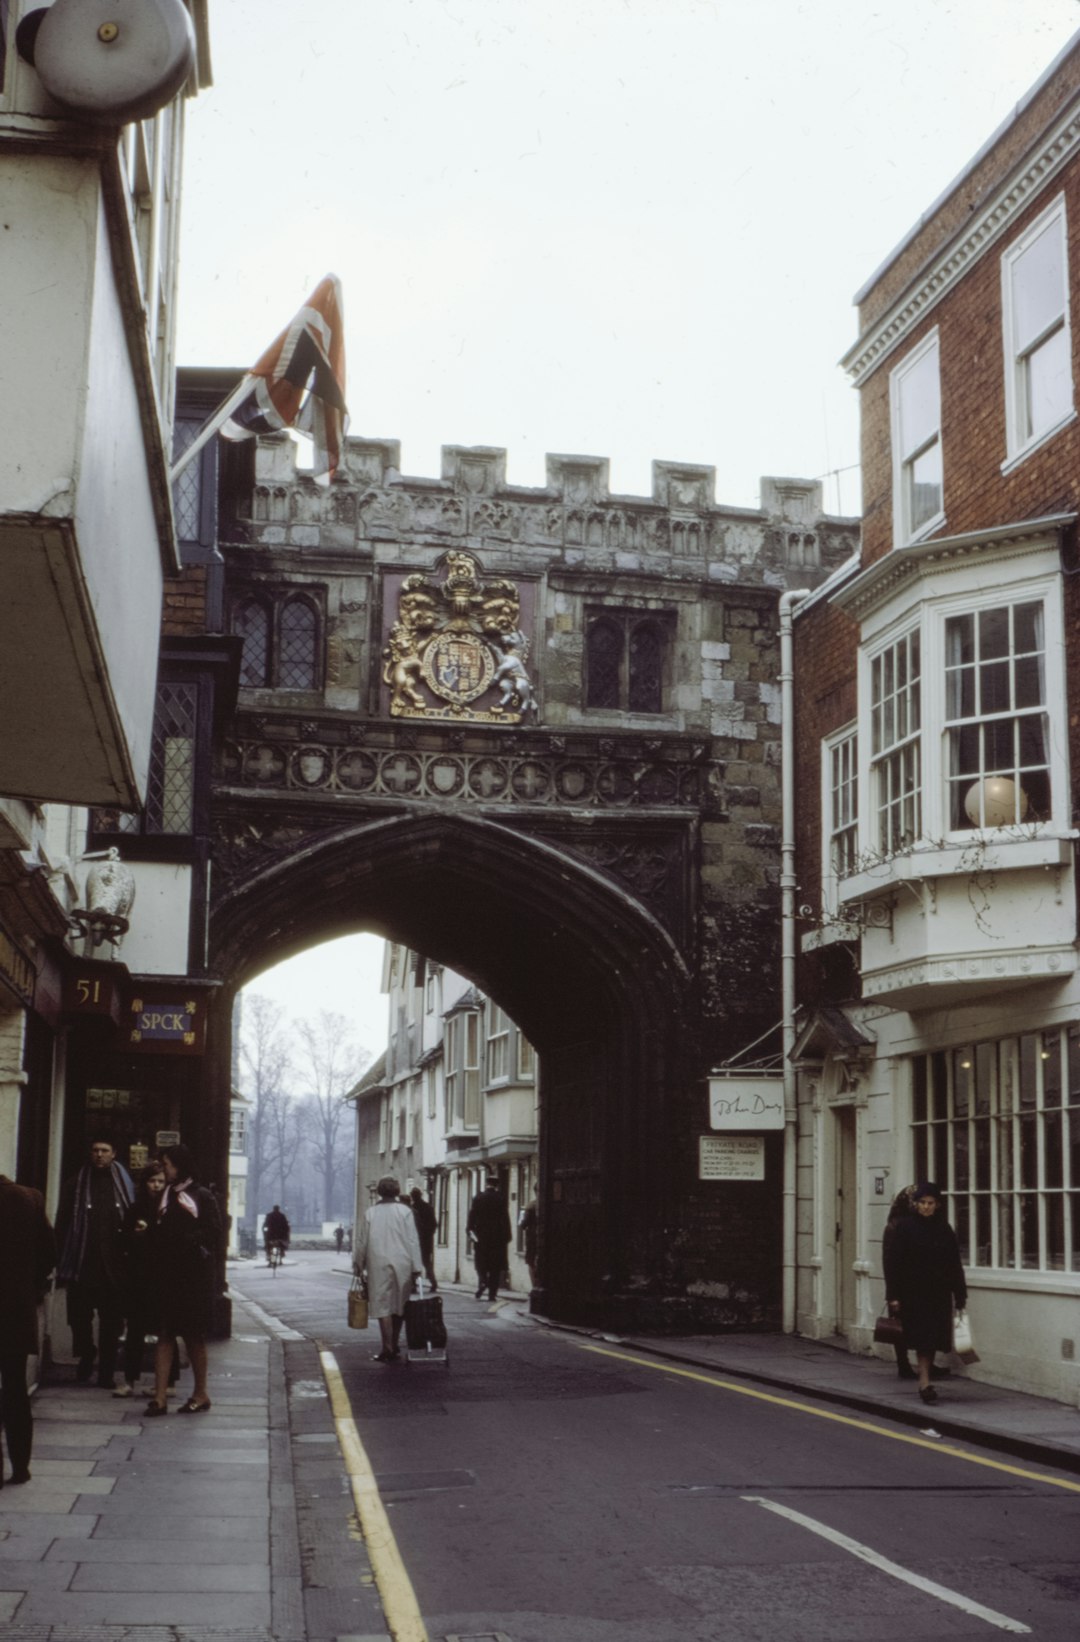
<point x="938" y="688"/>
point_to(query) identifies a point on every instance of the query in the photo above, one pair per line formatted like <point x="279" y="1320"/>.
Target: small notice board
<point x="731" y="1157"/>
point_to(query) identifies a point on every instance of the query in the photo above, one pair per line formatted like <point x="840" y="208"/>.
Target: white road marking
<point x="876" y="1560"/>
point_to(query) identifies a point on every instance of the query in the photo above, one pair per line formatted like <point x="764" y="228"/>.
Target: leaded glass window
<point x="251" y="621"/>
<point x="296" y="663"/>
<point x="625" y="660"/>
<point x="188" y="489"/>
<point x="170" y="793"/>
<point x="646" y="669"/>
<point x="605" y="647"/>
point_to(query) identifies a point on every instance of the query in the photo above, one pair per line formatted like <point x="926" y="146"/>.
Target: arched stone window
<point x="298" y="634"/>
<point x="251" y="622"/>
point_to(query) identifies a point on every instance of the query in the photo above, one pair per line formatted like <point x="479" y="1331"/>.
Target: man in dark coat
<point x="90" y="1232"/>
<point x="489" y="1225"/>
<point x="28" y="1256"/>
<point x="424" y="1215"/>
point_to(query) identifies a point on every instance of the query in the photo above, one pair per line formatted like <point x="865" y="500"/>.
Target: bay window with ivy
<point x="997" y="1125"/>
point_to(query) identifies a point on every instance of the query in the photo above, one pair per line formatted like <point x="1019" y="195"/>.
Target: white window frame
<point x="462" y="1071"/>
<point x="526" y="1059"/>
<point x="873" y="765"/>
<point x="903" y="458"/>
<point x="1020" y="439"/>
<point x="1009" y="1191"/>
<point x="498" y="1044"/>
<point x="928" y="616"/>
<point x="841" y="748"/>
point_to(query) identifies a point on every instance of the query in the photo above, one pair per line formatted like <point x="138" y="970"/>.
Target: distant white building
<point x="452" y="1103"/>
<point x="239" y="1109"/>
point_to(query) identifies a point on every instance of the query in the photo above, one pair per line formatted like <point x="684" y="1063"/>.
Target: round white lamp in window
<point x="993" y="802"/>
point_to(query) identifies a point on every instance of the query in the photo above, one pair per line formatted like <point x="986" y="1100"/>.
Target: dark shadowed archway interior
<point x="588" y="973"/>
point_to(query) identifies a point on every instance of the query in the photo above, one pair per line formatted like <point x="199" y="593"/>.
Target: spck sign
<point x="164" y="1025"/>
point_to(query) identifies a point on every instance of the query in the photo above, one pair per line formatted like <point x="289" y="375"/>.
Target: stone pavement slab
<point x="183" y="1529"/>
<point x="170" y="1576"/>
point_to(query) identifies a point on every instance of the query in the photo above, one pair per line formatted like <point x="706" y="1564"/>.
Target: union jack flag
<point x="299" y="382"/>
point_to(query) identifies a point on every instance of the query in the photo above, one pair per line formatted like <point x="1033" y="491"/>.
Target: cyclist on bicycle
<point x="276" y="1229"/>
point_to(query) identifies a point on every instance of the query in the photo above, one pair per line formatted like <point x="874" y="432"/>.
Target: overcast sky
<point x="624" y="228"/>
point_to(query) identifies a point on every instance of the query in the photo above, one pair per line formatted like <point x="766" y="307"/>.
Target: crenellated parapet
<point x="574" y="518"/>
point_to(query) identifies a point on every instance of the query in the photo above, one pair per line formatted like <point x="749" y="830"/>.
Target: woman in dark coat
<point x="185" y="1248"/>
<point x="27" y="1256"/>
<point x="924" y="1281"/>
<point x="901" y="1208"/>
<point x="140" y="1225"/>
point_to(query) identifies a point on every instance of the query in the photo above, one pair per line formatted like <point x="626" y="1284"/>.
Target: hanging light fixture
<point x="994" y="802"/>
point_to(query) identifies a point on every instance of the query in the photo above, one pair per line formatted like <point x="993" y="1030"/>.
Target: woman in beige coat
<point x="387" y="1256"/>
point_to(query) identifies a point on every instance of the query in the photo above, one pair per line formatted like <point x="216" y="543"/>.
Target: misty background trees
<point x="294" y="1075"/>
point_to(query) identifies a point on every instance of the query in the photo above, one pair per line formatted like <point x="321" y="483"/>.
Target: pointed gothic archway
<point x="587" y="971"/>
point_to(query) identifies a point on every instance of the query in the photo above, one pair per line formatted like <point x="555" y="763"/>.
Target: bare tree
<point x="333" y="1062"/>
<point x="266" y="1067"/>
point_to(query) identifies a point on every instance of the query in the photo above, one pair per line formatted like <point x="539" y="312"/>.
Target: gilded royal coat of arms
<point x="456" y="642"/>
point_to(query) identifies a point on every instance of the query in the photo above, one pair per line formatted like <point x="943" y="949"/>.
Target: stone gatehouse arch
<point x="532" y="733"/>
<point x="585" y="968"/>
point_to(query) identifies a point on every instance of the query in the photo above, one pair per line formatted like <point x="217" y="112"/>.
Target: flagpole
<point x="215" y="421"/>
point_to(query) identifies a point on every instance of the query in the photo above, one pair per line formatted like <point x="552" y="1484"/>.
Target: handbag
<point x="888" y="1330"/>
<point x="962" y="1342"/>
<point x="358" y="1308"/>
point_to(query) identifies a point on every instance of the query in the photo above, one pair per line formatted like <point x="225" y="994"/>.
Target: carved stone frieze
<point x="406" y="771"/>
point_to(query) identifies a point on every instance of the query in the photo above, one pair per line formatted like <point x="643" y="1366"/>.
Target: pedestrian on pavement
<point x="90" y="1233"/>
<point x="339" y="1238"/>
<point x="424" y="1215"/>
<point x="140" y="1229"/>
<point x="902" y="1206"/>
<point x="388" y="1259"/>
<point x="276" y="1229"/>
<point x="489" y="1225"/>
<point x="530" y="1225"/>
<point x="186" y="1246"/>
<point x="926" y="1281"/>
<point x="27" y="1256"/>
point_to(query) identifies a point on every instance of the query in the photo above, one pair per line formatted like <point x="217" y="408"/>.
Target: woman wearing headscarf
<point x="926" y="1282"/>
<point x="388" y="1254"/>
<point x="186" y="1236"/>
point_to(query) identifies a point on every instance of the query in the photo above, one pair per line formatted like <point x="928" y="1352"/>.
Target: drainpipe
<point x="788" y="886"/>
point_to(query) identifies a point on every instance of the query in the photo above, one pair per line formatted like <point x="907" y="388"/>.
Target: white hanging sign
<point x="746" y="1102"/>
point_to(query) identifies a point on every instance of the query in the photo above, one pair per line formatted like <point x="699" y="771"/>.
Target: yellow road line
<point x="935" y="1446"/>
<point x="395" y="1587"/>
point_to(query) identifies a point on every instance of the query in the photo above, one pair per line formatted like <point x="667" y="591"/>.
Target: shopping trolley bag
<point x="424" y="1326"/>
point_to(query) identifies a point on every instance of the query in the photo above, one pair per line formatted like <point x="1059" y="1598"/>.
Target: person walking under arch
<point x="424" y="1215"/>
<point x="388" y="1259"/>
<point x="489" y="1225"/>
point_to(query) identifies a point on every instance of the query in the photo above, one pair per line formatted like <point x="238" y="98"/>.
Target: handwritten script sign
<point x="746" y="1103"/>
